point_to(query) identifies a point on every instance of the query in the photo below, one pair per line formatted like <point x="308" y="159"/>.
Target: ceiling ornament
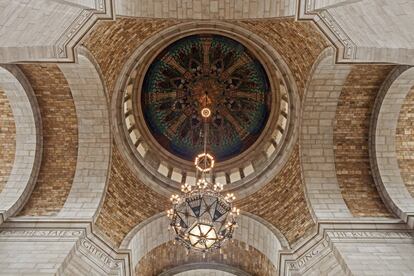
<point x="202" y="219"/>
<point x="210" y="69"/>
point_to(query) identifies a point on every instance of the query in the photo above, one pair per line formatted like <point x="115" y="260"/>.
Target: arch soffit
<point x="154" y="232"/>
<point x="382" y="148"/>
<point x="28" y="155"/>
<point x="94" y="137"/>
<point x="318" y="113"/>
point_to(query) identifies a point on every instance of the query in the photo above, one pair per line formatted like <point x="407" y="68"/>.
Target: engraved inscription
<point x="40" y="233"/>
<point x="311" y="254"/>
<point x="99" y="254"/>
<point x="369" y="234"/>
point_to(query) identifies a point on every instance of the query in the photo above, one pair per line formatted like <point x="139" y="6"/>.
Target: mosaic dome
<point x="206" y="71"/>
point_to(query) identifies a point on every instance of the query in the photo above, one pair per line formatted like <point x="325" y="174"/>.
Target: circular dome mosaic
<point x="206" y="71"/>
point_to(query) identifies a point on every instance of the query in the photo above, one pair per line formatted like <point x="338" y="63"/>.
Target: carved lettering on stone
<point x="369" y="235"/>
<point x="99" y="254"/>
<point x="310" y="255"/>
<point x="40" y="233"/>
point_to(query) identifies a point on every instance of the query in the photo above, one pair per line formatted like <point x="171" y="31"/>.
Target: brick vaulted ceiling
<point x="282" y="202"/>
<point x="312" y="129"/>
<point x="285" y="192"/>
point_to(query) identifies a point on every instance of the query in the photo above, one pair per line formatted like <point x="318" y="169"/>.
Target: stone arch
<point x="94" y="139"/>
<point x="383" y="160"/>
<point x="252" y="231"/>
<point x="317" y="145"/>
<point x="204" y="269"/>
<point x="26" y="165"/>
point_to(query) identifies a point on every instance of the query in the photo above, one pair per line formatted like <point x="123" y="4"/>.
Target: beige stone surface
<point x="202" y="9"/>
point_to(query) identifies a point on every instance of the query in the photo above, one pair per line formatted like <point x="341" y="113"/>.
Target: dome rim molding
<point x="270" y="168"/>
<point x="227" y="163"/>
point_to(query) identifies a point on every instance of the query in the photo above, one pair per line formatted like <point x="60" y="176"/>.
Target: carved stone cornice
<point x="24" y="233"/>
<point x="315" y="248"/>
<point x="346" y="49"/>
<point x="85" y="240"/>
<point x="65" y="46"/>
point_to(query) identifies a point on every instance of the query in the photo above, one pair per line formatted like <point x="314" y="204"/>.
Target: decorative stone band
<point x="241" y="175"/>
<point x="310" y="257"/>
<point x="83" y="252"/>
<point x="65" y="45"/>
<point x="75" y="247"/>
<point x="369" y="235"/>
<point x="72" y="26"/>
<point x="346" y="48"/>
<point x="310" y="252"/>
<point x="99" y="258"/>
<point x="49" y="234"/>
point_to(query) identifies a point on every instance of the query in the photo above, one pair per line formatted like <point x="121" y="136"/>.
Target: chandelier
<point x="201" y="218"/>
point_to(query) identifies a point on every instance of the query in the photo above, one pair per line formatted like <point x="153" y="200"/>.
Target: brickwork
<point x="122" y="37"/>
<point x="236" y="254"/>
<point x="404" y="141"/>
<point x="299" y="44"/>
<point x="351" y="140"/>
<point x="112" y="43"/>
<point x="60" y="139"/>
<point x="201" y="9"/>
<point x="127" y="202"/>
<point x="131" y="200"/>
<point x="282" y="202"/>
<point x="7" y="139"/>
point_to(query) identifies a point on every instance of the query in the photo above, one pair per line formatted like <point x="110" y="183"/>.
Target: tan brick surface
<point x="299" y="43"/>
<point x="7" y="139"/>
<point x="127" y="202"/>
<point x="235" y="254"/>
<point x="112" y="43"/>
<point x="282" y="202"/>
<point x="351" y="133"/>
<point x="404" y="141"/>
<point x="60" y="139"/>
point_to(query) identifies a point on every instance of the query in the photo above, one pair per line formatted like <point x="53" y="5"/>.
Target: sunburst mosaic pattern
<point x="206" y="71"/>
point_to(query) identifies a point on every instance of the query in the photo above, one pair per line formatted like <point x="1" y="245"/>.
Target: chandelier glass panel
<point x="202" y="218"/>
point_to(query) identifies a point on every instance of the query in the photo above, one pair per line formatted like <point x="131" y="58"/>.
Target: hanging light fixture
<point x="201" y="218"/>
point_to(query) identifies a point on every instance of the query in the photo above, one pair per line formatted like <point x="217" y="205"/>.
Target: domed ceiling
<point x="206" y="71"/>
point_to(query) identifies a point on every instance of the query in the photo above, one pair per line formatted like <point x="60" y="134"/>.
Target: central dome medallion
<point x="206" y="71"/>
